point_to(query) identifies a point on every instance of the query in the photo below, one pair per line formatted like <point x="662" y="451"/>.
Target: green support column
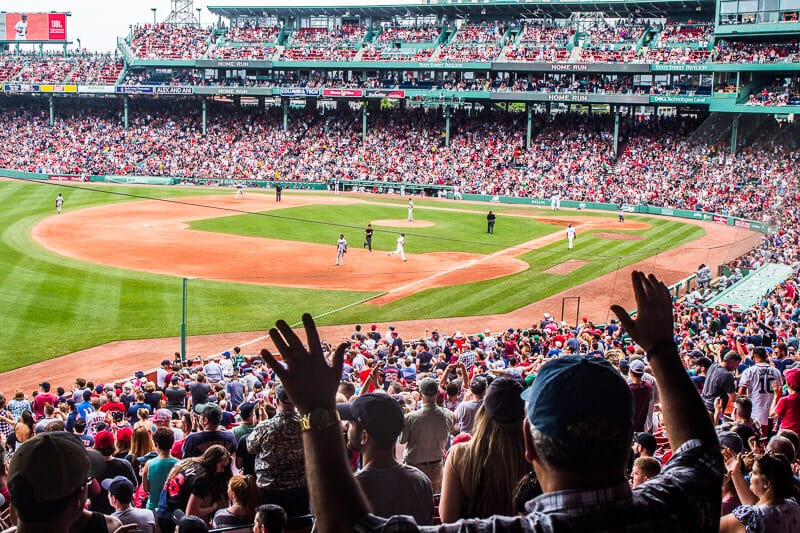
<point x="364" y="121"/>
<point x="285" y="115"/>
<point x="734" y="134"/>
<point x="183" y="320"/>
<point x="52" y="111"/>
<point x="125" y="108"/>
<point x="616" y="133"/>
<point x="529" y="126"/>
<point x="447" y="125"/>
<point x="204" y="116"/>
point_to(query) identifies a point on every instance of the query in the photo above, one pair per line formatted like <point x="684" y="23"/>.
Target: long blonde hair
<point x="246" y="492"/>
<point x="494" y="462"/>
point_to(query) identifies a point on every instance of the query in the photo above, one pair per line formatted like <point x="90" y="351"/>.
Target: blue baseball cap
<point x="575" y="388"/>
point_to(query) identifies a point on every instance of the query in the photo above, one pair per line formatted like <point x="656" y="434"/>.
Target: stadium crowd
<point x="218" y="439"/>
<point x="76" y="68"/>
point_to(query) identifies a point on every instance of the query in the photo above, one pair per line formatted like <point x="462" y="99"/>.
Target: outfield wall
<point x="395" y="188"/>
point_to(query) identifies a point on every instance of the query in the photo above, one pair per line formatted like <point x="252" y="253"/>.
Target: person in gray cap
<point x="426" y="432"/>
<point x="374" y="421"/>
<point x="577" y="432"/>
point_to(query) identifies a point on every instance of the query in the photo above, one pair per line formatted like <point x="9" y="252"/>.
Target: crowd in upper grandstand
<point x="615" y="435"/>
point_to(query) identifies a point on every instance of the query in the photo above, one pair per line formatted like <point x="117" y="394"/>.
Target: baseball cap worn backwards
<point x="380" y="414"/>
<point x="573" y="389"/>
<point x="48" y="467"/>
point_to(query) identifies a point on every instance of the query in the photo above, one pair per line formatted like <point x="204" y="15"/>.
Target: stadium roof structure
<point x="489" y="8"/>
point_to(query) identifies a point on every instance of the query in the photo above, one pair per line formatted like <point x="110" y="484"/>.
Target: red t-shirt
<point x="788" y="409"/>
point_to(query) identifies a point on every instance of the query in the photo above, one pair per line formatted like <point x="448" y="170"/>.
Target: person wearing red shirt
<point x="42" y="399"/>
<point x="788" y="407"/>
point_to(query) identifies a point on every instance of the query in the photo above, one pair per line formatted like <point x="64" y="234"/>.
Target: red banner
<point x="33" y="26"/>
<point x="66" y="177"/>
<point x="343" y="93"/>
<point x="719" y="219"/>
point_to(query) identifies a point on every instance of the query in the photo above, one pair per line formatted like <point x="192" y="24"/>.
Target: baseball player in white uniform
<point x="239" y="192"/>
<point x="401" y="242"/>
<point x="59" y="203"/>
<point x="555" y="201"/>
<point x="570" y="237"/>
<point x="21" y="29"/>
<point x="341" y="249"/>
<point x="410" y="210"/>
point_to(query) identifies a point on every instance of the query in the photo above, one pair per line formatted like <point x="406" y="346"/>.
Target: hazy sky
<point x="98" y="23"/>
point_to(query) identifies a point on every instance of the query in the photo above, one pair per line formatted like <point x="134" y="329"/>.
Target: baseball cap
<point x="281" y="394"/>
<point x="119" y="487"/>
<point x="48" y="467"/>
<point x="209" y="410"/>
<point x="793" y="377"/>
<point x="732" y="441"/>
<point x="637" y="367"/>
<point x="138" y="374"/>
<point x="166" y="362"/>
<point x="189" y="523"/>
<point x="45" y="385"/>
<point x="162" y="415"/>
<point x="623" y="364"/>
<point x="646" y="440"/>
<point x="373" y="327"/>
<point x="428" y="387"/>
<point x="565" y="393"/>
<point x="104" y="440"/>
<point x="246" y="409"/>
<point x="380" y="414"/>
<point x="478" y="386"/>
<point x="503" y="401"/>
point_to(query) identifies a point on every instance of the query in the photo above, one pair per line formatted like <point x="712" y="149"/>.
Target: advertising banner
<point x="173" y="90"/>
<point x="58" y="88"/>
<point x="96" y="89"/>
<point x="385" y="93"/>
<point x="343" y="93"/>
<point x="299" y="92"/>
<point x="33" y="26"/>
<point x="134" y="89"/>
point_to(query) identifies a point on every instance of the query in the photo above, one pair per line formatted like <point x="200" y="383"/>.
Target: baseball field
<point x="111" y="267"/>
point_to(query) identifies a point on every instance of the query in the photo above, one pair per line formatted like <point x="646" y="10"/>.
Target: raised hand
<point x="653" y="325"/>
<point x="309" y="380"/>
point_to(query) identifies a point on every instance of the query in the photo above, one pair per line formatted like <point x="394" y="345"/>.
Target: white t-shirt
<point x="760" y="380"/>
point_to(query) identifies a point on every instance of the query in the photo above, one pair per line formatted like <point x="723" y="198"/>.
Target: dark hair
<point x="777" y="469"/>
<point x="23" y="498"/>
<point x="164" y="438"/>
<point x="272" y="517"/>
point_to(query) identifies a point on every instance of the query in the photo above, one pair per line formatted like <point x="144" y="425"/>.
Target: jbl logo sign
<point x="56" y="24"/>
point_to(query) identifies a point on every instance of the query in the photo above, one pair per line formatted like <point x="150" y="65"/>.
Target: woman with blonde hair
<point x="196" y="485"/>
<point x="481" y="475"/>
<point x="244" y="497"/>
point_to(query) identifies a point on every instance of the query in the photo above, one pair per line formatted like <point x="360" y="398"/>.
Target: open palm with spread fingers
<point x="308" y="378"/>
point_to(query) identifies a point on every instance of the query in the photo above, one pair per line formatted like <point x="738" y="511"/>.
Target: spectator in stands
<point x="720" y="383"/>
<point x="176" y="396"/>
<point x="762" y="383"/>
<point x="155" y="471"/>
<point x="213" y="371"/>
<point x="644" y="469"/>
<point x="464" y="415"/>
<point x="196" y="485"/>
<point x="43" y="398"/>
<point x="768" y="503"/>
<point x="425" y="434"/>
<point x="642" y="392"/>
<point x="788" y="407"/>
<point x="587" y="466"/>
<point x="374" y="422"/>
<point x="210" y="434"/>
<point x="199" y="390"/>
<point x="481" y="474"/>
<point x="244" y="496"/>
<point x="280" y="461"/>
<point x="120" y="496"/>
<point x="269" y="519"/>
<point x="111" y="467"/>
<point x="47" y="480"/>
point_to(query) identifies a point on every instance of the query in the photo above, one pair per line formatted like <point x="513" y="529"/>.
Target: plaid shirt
<point x="280" y="460"/>
<point x="684" y="497"/>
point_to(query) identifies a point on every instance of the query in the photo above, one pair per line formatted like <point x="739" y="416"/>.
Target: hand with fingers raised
<point x="652" y="328"/>
<point x="308" y="378"/>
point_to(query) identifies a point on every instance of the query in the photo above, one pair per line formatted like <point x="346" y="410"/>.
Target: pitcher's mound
<point x="566" y="267"/>
<point x="400" y="223"/>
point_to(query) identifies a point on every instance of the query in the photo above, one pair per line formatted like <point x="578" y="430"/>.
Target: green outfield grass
<point x="53" y="305"/>
<point x="453" y="231"/>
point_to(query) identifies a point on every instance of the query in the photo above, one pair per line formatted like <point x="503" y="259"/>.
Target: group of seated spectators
<point x="609" y="54"/>
<point x="76" y="68"/>
<point x="620" y="32"/>
<point x="676" y="55"/>
<point x="413" y="34"/>
<point x="323" y="44"/>
<point x="249" y="34"/>
<point x="780" y="93"/>
<point x="686" y="33"/>
<point x="753" y="52"/>
<point x="169" y="41"/>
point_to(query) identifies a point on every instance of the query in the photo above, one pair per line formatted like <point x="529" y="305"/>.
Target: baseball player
<point x="278" y="190"/>
<point x="239" y="191"/>
<point x="368" y="237"/>
<point x="410" y="210"/>
<point x="570" y="237"/>
<point x="21" y="29"/>
<point x="555" y="201"/>
<point x="341" y="249"/>
<point x="490" y="218"/>
<point x="621" y="213"/>
<point x="59" y="203"/>
<point x="401" y="242"/>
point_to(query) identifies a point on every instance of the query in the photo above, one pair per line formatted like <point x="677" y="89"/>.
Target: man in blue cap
<point x="578" y="433"/>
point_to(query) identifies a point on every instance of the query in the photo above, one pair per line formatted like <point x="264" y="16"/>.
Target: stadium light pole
<point x="199" y="10"/>
<point x="153" y="9"/>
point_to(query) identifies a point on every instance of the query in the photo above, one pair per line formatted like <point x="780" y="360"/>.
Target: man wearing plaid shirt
<point x="578" y="432"/>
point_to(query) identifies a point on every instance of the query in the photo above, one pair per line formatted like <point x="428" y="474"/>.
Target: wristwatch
<point x="319" y="419"/>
